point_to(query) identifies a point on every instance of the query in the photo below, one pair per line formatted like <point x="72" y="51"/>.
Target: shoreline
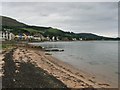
<point x="92" y="76"/>
<point x="74" y="72"/>
<point x="61" y="70"/>
<point x="103" y="76"/>
<point x="67" y="74"/>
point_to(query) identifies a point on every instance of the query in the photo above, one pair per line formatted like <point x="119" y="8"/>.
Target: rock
<point x="57" y="50"/>
<point x="48" y="54"/>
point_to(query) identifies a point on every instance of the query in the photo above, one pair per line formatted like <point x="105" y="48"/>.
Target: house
<point x="48" y="38"/>
<point x="57" y="38"/>
<point x="74" y="39"/>
<point x="30" y="37"/>
<point x="11" y="36"/>
<point x="39" y="37"/>
<point x="53" y="38"/>
<point x="80" y="39"/>
<point x="6" y="35"/>
<point x="19" y="36"/>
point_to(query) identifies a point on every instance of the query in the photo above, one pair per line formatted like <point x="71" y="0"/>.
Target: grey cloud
<point x="60" y="0"/>
<point x="100" y="18"/>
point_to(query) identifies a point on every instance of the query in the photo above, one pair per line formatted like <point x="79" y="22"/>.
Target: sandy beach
<point x="61" y="74"/>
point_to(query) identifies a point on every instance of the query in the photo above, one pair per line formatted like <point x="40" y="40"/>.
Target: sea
<point x="98" y="58"/>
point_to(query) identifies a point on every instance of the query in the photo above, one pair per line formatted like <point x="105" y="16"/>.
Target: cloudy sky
<point x="90" y="17"/>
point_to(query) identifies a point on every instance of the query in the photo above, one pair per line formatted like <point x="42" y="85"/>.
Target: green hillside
<point x="6" y="21"/>
<point x="17" y="27"/>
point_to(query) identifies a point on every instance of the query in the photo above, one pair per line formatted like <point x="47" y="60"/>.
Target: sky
<point x="100" y="18"/>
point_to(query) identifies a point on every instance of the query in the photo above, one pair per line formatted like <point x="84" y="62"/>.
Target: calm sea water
<point x="99" y="58"/>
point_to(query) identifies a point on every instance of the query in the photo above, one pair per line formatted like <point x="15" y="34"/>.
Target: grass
<point x="7" y="45"/>
<point x="32" y="30"/>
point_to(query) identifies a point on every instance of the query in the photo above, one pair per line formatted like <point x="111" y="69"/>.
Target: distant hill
<point x="6" y="21"/>
<point x="17" y="27"/>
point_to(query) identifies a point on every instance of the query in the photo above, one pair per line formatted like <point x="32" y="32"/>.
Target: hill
<point x="6" y="21"/>
<point x="17" y="27"/>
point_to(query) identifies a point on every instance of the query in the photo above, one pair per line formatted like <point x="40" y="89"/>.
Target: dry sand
<point x="64" y="72"/>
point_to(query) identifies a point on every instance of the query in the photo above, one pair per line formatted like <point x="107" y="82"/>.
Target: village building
<point x="57" y="38"/>
<point x="48" y="38"/>
<point x="39" y="37"/>
<point x="53" y="38"/>
<point x="19" y="37"/>
<point x="30" y="37"/>
<point x="6" y="35"/>
<point x="74" y="39"/>
<point x="80" y="39"/>
<point x="11" y="36"/>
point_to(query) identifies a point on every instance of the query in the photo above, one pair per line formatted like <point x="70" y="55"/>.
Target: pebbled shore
<point x="23" y="74"/>
<point x="31" y="68"/>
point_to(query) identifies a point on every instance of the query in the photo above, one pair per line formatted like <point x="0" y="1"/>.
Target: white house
<point x="53" y="38"/>
<point x="48" y="38"/>
<point x="74" y="39"/>
<point x="80" y="39"/>
<point x="39" y="37"/>
<point x="7" y="35"/>
<point x="11" y="36"/>
<point x="57" y="38"/>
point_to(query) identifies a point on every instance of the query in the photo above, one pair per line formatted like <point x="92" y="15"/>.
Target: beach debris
<point x="16" y="71"/>
<point x="14" y="80"/>
<point x="103" y="84"/>
<point x="92" y="81"/>
<point x="17" y="64"/>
